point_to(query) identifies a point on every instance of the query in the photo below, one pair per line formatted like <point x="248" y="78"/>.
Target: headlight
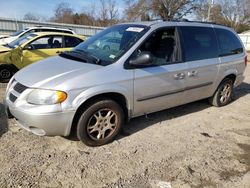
<point x="46" y="97"/>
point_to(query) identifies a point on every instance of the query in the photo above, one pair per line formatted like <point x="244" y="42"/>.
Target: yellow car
<point x="34" y="47"/>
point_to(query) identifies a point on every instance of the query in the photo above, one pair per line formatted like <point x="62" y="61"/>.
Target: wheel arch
<point x="117" y="97"/>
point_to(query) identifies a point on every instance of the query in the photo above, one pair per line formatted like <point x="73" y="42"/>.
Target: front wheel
<point x="6" y="72"/>
<point x="223" y="94"/>
<point x="100" y="123"/>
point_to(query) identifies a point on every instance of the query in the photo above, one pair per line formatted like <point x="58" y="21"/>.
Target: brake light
<point x="246" y="61"/>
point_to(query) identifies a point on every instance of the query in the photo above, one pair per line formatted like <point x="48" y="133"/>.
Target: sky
<point x="16" y="9"/>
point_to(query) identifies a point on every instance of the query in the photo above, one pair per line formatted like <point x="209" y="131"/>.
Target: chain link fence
<point x="8" y="26"/>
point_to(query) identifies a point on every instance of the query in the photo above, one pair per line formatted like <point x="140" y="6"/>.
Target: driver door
<point x="162" y="84"/>
<point x="41" y="48"/>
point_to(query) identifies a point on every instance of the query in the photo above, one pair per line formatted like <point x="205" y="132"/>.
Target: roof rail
<point x="184" y="20"/>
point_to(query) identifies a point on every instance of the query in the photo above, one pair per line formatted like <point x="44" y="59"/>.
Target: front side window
<point x="109" y="45"/>
<point x="163" y="45"/>
<point x="199" y="43"/>
<point x="228" y="42"/>
<point x="47" y="42"/>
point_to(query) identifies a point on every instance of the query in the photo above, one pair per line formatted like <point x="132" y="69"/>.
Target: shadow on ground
<point x="3" y="121"/>
<point x="140" y="123"/>
<point x="143" y="122"/>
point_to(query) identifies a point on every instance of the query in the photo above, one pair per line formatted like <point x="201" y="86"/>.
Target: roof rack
<point x="54" y="27"/>
<point x="184" y="20"/>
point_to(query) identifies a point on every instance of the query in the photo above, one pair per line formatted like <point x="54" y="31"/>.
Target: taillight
<point x="246" y="61"/>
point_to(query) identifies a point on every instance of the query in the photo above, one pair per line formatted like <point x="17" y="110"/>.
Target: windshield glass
<point x="18" y="32"/>
<point x="21" y="40"/>
<point x="109" y="45"/>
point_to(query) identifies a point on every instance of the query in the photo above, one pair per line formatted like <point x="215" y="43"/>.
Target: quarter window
<point x="199" y="43"/>
<point x="228" y="42"/>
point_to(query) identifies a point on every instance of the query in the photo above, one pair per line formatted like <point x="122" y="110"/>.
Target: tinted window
<point x="71" y="41"/>
<point x="228" y="42"/>
<point x="199" y="43"/>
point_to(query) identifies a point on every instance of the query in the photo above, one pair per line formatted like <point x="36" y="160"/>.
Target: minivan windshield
<point x="21" y="40"/>
<point x="107" y="46"/>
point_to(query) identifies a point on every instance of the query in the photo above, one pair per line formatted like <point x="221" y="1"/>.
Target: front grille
<point x="16" y="89"/>
<point x="12" y="97"/>
<point x="19" y="88"/>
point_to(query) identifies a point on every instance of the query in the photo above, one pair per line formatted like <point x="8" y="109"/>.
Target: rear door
<point x="231" y="53"/>
<point x="161" y="85"/>
<point x="201" y="53"/>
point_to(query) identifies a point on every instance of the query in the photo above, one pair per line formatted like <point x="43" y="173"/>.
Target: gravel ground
<point x="194" y="145"/>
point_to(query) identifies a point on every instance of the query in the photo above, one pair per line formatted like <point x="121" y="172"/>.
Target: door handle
<point x="193" y="73"/>
<point x="58" y="52"/>
<point x="179" y="76"/>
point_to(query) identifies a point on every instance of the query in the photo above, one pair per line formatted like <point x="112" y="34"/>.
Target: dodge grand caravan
<point x="157" y="65"/>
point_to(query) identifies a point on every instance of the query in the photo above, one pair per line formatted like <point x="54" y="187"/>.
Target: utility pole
<point x="211" y="4"/>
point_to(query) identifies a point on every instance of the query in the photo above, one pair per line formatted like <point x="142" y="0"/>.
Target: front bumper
<point x="50" y="124"/>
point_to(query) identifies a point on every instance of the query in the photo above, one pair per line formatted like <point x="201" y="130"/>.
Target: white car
<point x="3" y="36"/>
<point x="18" y="34"/>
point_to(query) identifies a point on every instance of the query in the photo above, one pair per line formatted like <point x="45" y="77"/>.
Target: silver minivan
<point x="157" y="65"/>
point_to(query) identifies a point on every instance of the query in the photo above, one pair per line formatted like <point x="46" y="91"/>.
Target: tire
<point x="100" y="123"/>
<point x="223" y="94"/>
<point x="6" y="72"/>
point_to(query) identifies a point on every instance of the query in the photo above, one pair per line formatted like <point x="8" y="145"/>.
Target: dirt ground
<point x="195" y="145"/>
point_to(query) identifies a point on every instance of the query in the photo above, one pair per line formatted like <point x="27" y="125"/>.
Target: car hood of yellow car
<point x="4" y="49"/>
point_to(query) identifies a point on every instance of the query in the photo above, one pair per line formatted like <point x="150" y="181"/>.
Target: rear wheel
<point x="223" y="94"/>
<point x="100" y="123"/>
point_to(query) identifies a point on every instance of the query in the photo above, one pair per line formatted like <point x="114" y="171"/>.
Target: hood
<point x="53" y="73"/>
<point x="4" y="49"/>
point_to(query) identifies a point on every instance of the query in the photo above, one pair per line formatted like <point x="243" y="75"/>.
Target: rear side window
<point x="71" y="41"/>
<point x="199" y="43"/>
<point x="228" y="42"/>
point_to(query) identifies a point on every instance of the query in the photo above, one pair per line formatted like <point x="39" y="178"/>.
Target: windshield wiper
<point x="80" y="56"/>
<point x="89" y="56"/>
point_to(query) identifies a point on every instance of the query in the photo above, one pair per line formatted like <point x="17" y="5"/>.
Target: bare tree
<point x="137" y="10"/>
<point x="63" y="13"/>
<point x="31" y="16"/>
<point x="165" y="9"/>
<point x="232" y="13"/>
<point x="108" y="12"/>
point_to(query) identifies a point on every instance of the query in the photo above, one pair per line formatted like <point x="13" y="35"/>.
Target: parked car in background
<point x="18" y="34"/>
<point x="33" y="47"/>
<point x="94" y="91"/>
<point x="109" y="44"/>
<point x="3" y="36"/>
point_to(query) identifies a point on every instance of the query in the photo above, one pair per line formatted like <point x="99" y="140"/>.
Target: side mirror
<point x="28" y="47"/>
<point x="143" y="59"/>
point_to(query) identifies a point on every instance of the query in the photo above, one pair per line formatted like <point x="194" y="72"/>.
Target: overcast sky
<point x="45" y="8"/>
